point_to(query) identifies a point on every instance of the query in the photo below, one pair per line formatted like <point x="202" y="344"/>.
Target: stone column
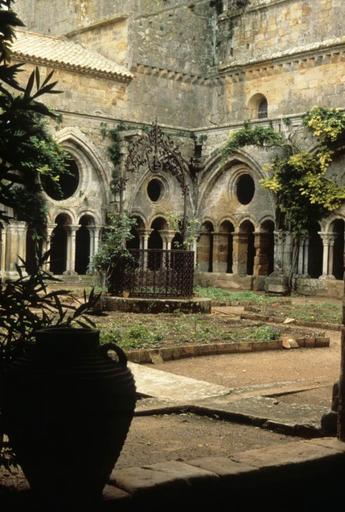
<point x="287" y="251"/>
<point x="325" y="237"/>
<point x="278" y="251"/>
<point x="167" y="237"/>
<point x="94" y="232"/>
<point x="144" y="235"/>
<point x="240" y="253"/>
<point x="71" y="248"/>
<point x="300" y="266"/>
<point x="331" y="256"/>
<point x="47" y="244"/>
<point x="260" y="259"/>
<point x="306" y="256"/>
<point x="15" y="246"/>
<point x="216" y="250"/>
<point x="195" y="250"/>
<point x="2" y="252"/>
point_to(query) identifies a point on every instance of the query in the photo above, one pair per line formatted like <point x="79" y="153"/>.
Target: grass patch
<point x="235" y="298"/>
<point x="135" y="331"/>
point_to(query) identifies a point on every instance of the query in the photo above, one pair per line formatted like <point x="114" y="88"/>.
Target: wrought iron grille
<point x="155" y="273"/>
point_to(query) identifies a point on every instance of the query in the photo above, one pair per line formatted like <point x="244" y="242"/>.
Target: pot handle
<point x="119" y="352"/>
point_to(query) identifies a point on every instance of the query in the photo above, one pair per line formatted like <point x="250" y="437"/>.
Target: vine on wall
<point x="297" y="177"/>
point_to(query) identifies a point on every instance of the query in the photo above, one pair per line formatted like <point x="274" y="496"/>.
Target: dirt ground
<point x="187" y="436"/>
<point x="170" y="437"/>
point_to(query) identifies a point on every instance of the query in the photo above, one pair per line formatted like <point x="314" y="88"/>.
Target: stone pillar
<point x="195" y="250"/>
<point x="240" y="253"/>
<point x="15" y="246"/>
<point x="2" y="251"/>
<point x="216" y="250"/>
<point x="306" y="256"/>
<point x="331" y="256"/>
<point x="167" y="237"/>
<point x="278" y="251"/>
<point x="144" y="235"/>
<point x="47" y="244"/>
<point x="327" y="260"/>
<point x="261" y="248"/>
<point x="287" y="251"/>
<point x="71" y="247"/>
<point x="300" y="266"/>
<point x="94" y="232"/>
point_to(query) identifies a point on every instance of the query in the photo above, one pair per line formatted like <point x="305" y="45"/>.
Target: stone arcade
<point x="201" y="69"/>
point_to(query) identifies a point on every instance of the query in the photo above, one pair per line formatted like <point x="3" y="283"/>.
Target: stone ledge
<point x="282" y="476"/>
<point x="146" y="356"/>
<point x="216" y="480"/>
<point x="152" y="305"/>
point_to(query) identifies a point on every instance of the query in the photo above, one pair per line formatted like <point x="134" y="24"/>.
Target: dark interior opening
<point x="66" y="186"/>
<point x="245" y="189"/>
<point x="154" y="189"/>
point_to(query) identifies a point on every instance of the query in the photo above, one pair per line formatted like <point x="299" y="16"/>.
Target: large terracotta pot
<point x="67" y="409"/>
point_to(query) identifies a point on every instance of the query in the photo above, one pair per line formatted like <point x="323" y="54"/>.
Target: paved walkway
<point x="175" y="388"/>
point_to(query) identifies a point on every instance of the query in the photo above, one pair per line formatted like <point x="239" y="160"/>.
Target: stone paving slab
<point x="175" y="388"/>
<point x="268" y="412"/>
<point x="252" y="476"/>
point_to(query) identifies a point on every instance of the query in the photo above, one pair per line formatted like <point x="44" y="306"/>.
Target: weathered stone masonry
<point x="201" y="69"/>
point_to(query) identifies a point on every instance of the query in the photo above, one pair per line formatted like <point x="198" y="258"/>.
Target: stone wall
<point x="289" y="51"/>
<point x="177" y="35"/>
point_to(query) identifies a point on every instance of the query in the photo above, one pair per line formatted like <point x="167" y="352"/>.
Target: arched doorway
<point x="264" y="253"/>
<point x="225" y="247"/>
<point x="315" y="252"/>
<point x="156" y="242"/>
<point x="58" y="245"/>
<point x="246" y="249"/>
<point x="83" y="245"/>
<point x="134" y="241"/>
<point x="337" y="229"/>
<point x="205" y="248"/>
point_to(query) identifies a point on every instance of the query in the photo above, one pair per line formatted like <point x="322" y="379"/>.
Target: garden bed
<point x="305" y="312"/>
<point x="161" y="337"/>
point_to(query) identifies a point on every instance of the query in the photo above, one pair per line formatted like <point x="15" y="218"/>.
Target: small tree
<point x="27" y="150"/>
<point x="113" y="253"/>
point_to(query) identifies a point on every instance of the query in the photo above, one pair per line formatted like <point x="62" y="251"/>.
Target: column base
<point x="326" y="276"/>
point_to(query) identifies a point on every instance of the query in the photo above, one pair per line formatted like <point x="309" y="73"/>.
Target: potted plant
<point x="66" y="405"/>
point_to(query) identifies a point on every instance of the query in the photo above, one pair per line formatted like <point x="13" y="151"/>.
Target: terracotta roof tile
<point x="65" y="53"/>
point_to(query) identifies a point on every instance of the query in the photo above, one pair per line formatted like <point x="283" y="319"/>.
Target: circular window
<point x="245" y="189"/>
<point x="155" y="189"/>
<point x="66" y="186"/>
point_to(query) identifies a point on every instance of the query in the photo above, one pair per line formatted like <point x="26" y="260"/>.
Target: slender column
<point x="306" y="256"/>
<point x="3" y="252"/>
<point x="47" y="244"/>
<point x="260" y="259"/>
<point x="287" y="251"/>
<point x="325" y="258"/>
<point x="300" y="267"/>
<point x="167" y="237"/>
<point x="278" y="251"/>
<point x="144" y="235"/>
<point x="15" y="246"/>
<point x="71" y="247"/>
<point x="216" y="249"/>
<point x="240" y="251"/>
<point x="331" y="256"/>
<point x="195" y="250"/>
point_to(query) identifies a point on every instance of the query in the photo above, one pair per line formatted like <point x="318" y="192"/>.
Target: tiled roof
<point x="65" y="53"/>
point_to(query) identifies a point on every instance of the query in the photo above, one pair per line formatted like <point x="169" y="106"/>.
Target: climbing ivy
<point x="304" y="194"/>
